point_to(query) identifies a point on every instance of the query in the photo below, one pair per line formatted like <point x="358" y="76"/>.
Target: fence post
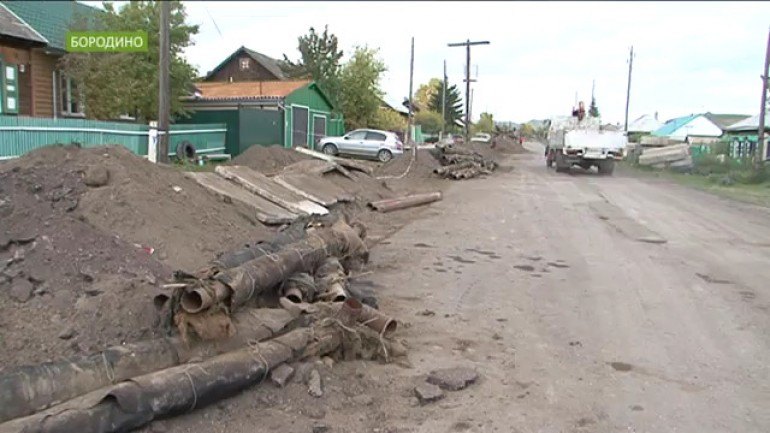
<point x="152" y="142"/>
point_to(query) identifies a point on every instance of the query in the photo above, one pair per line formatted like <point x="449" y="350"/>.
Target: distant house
<point x="645" y="124"/>
<point x="32" y="40"/>
<point x="749" y="126"/>
<point x="246" y="65"/>
<point x="402" y="109"/>
<point x="288" y="113"/>
<point x="695" y="128"/>
<point x="724" y="121"/>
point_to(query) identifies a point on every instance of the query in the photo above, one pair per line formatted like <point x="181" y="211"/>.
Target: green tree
<point x="527" y="130"/>
<point x="593" y="110"/>
<point x="112" y="84"/>
<point x="429" y="120"/>
<point x="389" y="120"/>
<point x="319" y="60"/>
<point x="454" y="104"/>
<point x="425" y="94"/>
<point x="485" y="124"/>
<point x="360" y="94"/>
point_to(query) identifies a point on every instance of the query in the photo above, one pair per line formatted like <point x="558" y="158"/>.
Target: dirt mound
<point x="87" y="235"/>
<point x="509" y="146"/>
<point x="421" y="168"/>
<point x="269" y="160"/>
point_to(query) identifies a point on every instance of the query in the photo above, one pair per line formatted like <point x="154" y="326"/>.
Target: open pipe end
<point x="159" y="301"/>
<point x="390" y="327"/>
<point x="294" y="298"/>
<point x="195" y="301"/>
<point x="339" y="298"/>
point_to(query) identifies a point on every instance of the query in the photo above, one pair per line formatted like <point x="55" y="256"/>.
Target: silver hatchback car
<point x="370" y="143"/>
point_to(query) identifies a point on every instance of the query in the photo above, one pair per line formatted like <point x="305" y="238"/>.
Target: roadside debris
<point x="462" y="163"/>
<point x="428" y="393"/>
<point x="453" y="379"/>
<point x="390" y="205"/>
<point x="676" y="156"/>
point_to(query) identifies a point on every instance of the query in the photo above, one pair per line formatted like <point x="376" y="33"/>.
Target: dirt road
<point x="586" y="303"/>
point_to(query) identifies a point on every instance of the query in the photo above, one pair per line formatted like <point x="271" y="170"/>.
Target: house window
<point x="71" y="102"/>
<point x="244" y="63"/>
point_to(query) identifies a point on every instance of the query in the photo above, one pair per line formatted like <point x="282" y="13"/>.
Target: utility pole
<point x="761" y="151"/>
<point x="467" y="44"/>
<point x="164" y="90"/>
<point x="628" y="90"/>
<point x="443" y="104"/>
<point x="408" y="136"/>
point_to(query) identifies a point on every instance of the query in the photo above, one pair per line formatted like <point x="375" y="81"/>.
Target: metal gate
<point x="319" y="128"/>
<point x="299" y="117"/>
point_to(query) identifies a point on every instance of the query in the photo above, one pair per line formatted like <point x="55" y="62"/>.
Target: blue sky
<point x="690" y="56"/>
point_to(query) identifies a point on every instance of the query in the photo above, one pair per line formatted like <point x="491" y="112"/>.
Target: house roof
<point x="750" y="124"/>
<point x="391" y="103"/>
<point x="246" y="90"/>
<point x="672" y="125"/>
<point x="13" y="26"/>
<point x="51" y="19"/>
<point x="267" y="62"/>
<point x="723" y="121"/>
<point x="645" y="123"/>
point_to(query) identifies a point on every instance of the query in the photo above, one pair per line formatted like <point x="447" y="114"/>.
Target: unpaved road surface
<point x="586" y="303"/>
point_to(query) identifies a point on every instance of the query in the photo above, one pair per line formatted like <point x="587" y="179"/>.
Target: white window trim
<point x="244" y="61"/>
<point x="65" y="110"/>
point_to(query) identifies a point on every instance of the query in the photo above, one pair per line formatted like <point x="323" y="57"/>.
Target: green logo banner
<point x="107" y="42"/>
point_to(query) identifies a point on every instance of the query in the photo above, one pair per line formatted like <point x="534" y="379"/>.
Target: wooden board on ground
<point x="264" y="187"/>
<point x="313" y="187"/>
<point x="316" y="166"/>
<point x="353" y="165"/>
<point x="266" y="211"/>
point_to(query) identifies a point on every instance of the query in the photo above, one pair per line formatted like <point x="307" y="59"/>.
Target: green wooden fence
<point x="21" y="134"/>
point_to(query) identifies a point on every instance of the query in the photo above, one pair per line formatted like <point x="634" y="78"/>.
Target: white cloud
<point x="691" y="56"/>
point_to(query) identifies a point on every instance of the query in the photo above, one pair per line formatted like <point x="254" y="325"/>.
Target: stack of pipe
<point x="461" y="163"/>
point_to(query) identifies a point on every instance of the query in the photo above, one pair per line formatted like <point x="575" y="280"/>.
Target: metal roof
<point x="51" y="19"/>
<point x="724" y="121"/>
<point x="750" y="124"/>
<point x="267" y="62"/>
<point x="13" y="26"/>
<point x="672" y="125"/>
<point x="246" y="90"/>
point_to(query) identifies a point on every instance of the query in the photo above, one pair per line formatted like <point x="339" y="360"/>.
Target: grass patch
<point x="736" y="181"/>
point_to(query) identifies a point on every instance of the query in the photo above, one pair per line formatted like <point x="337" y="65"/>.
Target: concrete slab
<point x="266" y="211"/>
<point x="313" y="187"/>
<point x="264" y="187"/>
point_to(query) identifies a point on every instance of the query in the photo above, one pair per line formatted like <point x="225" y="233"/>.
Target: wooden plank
<point x="353" y="165"/>
<point x="263" y="186"/>
<point x="313" y="187"/>
<point x="266" y="211"/>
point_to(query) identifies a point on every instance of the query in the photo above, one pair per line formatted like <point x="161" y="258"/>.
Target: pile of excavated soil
<point x="269" y="160"/>
<point x="509" y="146"/>
<point x="421" y="168"/>
<point x="76" y="270"/>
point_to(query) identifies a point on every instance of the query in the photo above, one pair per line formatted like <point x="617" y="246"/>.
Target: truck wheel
<point x="561" y="165"/>
<point x="606" y="167"/>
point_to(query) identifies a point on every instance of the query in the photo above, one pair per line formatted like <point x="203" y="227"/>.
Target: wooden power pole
<point x="761" y="151"/>
<point x="410" y="120"/>
<point x="467" y="44"/>
<point x="164" y="89"/>
<point x="443" y="104"/>
<point x="628" y="90"/>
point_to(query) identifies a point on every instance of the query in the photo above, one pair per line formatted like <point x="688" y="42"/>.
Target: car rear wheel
<point x="384" y="155"/>
<point x="329" y="149"/>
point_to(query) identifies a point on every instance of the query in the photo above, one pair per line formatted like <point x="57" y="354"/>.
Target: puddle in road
<point x="621" y="366"/>
<point x="461" y="260"/>
<point x="422" y="245"/>
<point x="527" y="268"/>
<point x="534" y="258"/>
<point x="748" y="296"/>
<point x="442" y="270"/>
<point x="558" y="265"/>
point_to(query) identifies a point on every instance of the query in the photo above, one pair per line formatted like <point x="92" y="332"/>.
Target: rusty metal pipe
<point x="404" y="202"/>
<point x="199" y="299"/>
